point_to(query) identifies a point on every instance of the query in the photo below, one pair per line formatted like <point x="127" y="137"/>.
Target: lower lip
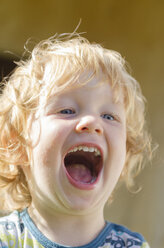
<point x="80" y="185"/>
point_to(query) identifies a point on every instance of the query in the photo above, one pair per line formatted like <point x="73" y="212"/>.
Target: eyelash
<point x="71" y="111"/>
<point x="109" y="117"/>
<point x="65" y="111"/>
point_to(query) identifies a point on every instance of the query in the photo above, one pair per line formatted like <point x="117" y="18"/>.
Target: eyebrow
<point x="58" y="100"/>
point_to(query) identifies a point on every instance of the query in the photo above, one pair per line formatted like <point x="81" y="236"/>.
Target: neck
<point x="68" y="229"/>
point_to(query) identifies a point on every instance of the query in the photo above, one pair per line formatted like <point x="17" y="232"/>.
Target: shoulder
<point x="121" y="236"/>
<point x="120" y="231"/>
<point x="10" y="228"/>
<point x="10" y="221"/>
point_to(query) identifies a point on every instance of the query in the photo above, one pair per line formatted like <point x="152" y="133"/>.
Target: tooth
<point x="91" y="149"/>
<point x="85" y="149"/>
<point x="97" y="153"/>
<point x="96" y="149"/>
<point x="80" y="148"/>
<point x="75" y="149"/>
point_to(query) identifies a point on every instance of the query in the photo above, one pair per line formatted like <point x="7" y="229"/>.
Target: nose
<point x="89" y="124"/>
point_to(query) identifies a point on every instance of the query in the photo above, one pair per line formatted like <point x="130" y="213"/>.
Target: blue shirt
<point x="17" y="230"/>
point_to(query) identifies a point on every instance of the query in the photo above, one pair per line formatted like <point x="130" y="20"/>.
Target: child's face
<point x="79" y="148"/>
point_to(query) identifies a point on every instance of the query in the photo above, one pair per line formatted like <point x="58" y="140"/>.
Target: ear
<point x="33" y="130"/>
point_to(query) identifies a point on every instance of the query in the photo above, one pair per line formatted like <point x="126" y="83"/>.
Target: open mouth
<point x="83" y="165"/>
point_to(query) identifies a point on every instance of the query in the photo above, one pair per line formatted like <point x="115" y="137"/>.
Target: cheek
<point x="49" y="140"/>
<point x="116" y="138"/>
<point x="117" y="147"/>
<point x="55" y="128"/>
<point x="116" y="161"/>
<point x="120" y="152"/>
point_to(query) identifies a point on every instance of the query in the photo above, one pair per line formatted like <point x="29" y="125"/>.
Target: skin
<point x="85" y="115"/>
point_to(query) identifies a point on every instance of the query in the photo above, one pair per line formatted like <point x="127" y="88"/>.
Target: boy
<point x="71" y="126"/>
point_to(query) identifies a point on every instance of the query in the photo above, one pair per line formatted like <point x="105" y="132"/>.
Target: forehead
<point x="92" y="86"/>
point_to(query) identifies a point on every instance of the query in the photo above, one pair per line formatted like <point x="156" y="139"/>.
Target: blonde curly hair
<point x="53" y="65"/>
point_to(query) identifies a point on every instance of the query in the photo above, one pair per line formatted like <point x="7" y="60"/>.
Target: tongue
<point x="79" y="172"/>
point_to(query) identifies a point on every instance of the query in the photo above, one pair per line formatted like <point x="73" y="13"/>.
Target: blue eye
<point x="67" y="111"/>
<point x="108" y="117"/>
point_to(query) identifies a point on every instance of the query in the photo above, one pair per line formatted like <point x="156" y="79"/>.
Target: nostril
<point x="84" y="128"/>
<point x="89" y="127"/>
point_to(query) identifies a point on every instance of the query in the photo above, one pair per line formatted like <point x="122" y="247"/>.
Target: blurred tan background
<point x="135" y="28"/>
